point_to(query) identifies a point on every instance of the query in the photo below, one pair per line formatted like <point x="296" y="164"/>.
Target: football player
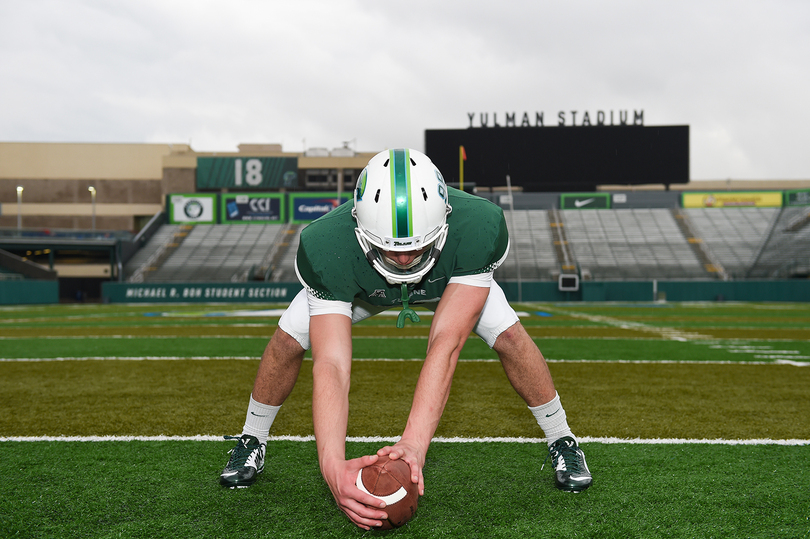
<point x="407" y="239"/>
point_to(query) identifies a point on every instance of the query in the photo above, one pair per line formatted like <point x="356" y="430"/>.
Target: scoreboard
<point x="562" y="158"/>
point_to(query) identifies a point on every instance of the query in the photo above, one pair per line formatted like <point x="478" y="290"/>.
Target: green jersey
<point x="332" y="265"/>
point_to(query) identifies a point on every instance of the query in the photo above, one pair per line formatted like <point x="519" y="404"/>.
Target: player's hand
<point x="364" y="510"/>
<point x="413" y="455"/>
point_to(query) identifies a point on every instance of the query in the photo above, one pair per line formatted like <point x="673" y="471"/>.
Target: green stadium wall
<point x="777" y="290"/>
<point x="113" y="292"/>
<point x="781" y="290"/>
<point x="25" y="292"/>
<point x="590" y="291"/>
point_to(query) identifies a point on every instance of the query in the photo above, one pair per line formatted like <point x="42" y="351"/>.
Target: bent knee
<point x="285" y="345"/>
<point x="510" y="337"/>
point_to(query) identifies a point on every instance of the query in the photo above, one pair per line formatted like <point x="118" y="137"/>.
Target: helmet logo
<point x="361" y="184"/>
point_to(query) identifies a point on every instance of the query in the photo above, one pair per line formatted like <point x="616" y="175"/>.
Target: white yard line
<point x="665" y="332"/>
<point x="380" y="439"/>
<point x="776" y="360"/>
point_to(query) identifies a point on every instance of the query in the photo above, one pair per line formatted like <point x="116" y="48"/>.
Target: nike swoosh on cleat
<point x="228" y="474"/>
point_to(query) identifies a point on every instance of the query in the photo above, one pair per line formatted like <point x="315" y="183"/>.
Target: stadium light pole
<point x="93" y="196"/>
<point x="19" y="207"/>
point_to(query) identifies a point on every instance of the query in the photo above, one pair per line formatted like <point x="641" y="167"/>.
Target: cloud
<point x="323" y="72"/>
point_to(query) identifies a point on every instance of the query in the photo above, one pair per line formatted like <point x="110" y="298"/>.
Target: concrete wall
<point x="132" y="180"/>
<point x="55" y="177"/>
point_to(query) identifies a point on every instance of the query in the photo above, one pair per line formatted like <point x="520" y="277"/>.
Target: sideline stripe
<point x="777" y="360"/>
<point x="379" y="439"/>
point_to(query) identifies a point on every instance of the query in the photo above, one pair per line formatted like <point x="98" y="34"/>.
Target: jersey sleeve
<point x="482" y="240"/>
<point x="311" y="279"/>
<point x="319" y="299"/>
<point x="327" y="257"/>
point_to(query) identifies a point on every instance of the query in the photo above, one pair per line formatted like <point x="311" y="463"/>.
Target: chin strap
<point x="407" y="312"/>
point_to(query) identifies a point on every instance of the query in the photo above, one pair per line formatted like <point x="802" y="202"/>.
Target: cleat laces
<point x="241" y="453"/>
<point x="564" y="457"/>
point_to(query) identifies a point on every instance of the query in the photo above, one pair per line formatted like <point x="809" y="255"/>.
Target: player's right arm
<point x="331" y="339"/>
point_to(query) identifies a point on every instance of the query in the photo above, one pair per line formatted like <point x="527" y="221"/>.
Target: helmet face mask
<point x="400" y="205"/>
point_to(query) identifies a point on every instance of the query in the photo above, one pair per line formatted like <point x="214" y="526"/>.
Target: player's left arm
<point x="456" y="315"/>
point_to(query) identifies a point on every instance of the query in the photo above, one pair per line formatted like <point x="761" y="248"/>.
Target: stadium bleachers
<point x="602" y="244"/>
<point x="148" y="256"/>
<point x="284" y="268"/>
<point x="630" y="244"/>
<point x="531" y="253"/>
<point x="787" y="247"/>
<point x="210" y="253"/>
<point x="733" y="235"/>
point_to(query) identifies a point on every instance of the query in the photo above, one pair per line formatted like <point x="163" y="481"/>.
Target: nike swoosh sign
<point x="552" y="413"/>
<point x="436" y="279"/>
<point x="390" y="499"/>
<point x="580" y="203"/>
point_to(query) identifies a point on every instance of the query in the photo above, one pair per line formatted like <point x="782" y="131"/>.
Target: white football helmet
<point x="401" y="205"/>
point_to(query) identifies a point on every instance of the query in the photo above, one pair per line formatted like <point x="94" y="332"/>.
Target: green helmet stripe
<point x="402" y="224"/>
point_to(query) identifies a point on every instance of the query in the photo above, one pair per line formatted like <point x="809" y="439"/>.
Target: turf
<point x="183" y="397"/>
<point x="702" y="372"/>
<point x="384" y="346"/>
<point x="158" y="489"/>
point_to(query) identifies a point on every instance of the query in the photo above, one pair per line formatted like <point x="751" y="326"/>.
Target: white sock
<point x="259" y="419"/>
<point x="551" y="418"/>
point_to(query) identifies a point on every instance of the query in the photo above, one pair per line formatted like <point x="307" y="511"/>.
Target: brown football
<point x="390" y="481"/>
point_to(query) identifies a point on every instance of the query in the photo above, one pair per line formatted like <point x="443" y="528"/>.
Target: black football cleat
<point x="246" y="462"/>
<point x="568" y="460"/>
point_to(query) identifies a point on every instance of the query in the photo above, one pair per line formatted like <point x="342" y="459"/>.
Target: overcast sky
<point x="377" y="73"/>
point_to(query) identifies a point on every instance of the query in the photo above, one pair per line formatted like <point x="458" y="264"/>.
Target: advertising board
<point x="252" y="208"/>
<point x="743" y="199"/>
<point x="193" y="208"/>
<point x="306" y="207"/>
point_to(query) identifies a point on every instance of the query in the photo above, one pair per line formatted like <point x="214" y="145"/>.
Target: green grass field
<point x="695" y="419"/>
